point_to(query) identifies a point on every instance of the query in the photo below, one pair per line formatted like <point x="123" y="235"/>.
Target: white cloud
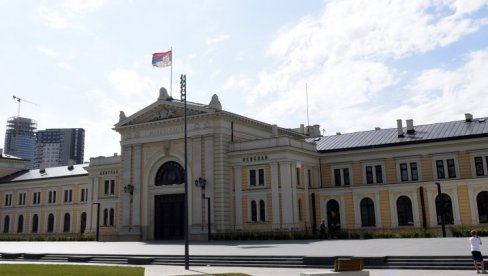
<point x="346" y="56"/>
<point x="65" y="15"/>
<point x="65" y="66"/>
<point x="48" y="51"/>
<point x="129" y="83"/>
<point x="217" y="39"/>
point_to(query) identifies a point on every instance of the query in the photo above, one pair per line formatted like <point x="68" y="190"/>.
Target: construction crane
<point x="18" y="99"/>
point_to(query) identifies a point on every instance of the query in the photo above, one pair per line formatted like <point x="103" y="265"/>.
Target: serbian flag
<point x="162" y="59"/>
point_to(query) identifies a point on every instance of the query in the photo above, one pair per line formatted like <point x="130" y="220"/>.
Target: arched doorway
<point x="482" y="202"/>
<point x="333" y="215"/>
<point x="447" y="207"/>
<point x="169" y="216"/>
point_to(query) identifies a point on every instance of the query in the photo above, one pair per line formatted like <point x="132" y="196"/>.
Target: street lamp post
<point x="98" y="221"/>
<point x="441" y="209"/>
<point x="202" y="182"/>
<point x="209" y="222"/>
<point x="183" y="99"/>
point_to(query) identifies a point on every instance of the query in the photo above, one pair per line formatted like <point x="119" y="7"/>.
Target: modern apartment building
<point x="20" y="139"/>
<point x="56" y="147"/>
<point x="257" y="177"/>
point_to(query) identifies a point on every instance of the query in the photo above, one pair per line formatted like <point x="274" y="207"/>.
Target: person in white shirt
<point x="475" y="242"/>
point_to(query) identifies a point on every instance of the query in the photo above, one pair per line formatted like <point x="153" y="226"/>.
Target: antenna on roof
<point x="308" y="119"/>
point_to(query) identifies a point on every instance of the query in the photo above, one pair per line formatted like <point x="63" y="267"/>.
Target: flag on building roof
<point x="162" y="59"/>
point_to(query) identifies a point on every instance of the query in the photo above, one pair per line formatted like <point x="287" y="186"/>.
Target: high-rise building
<point x="56" y="147"/>
<point x="20" y="139"/>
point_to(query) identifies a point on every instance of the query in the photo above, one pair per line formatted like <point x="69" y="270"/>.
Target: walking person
<point x="475" y="242"/>
<point x="323" y="230"/>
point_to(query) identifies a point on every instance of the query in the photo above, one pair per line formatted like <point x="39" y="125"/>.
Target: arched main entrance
<point x="169" y="216"/>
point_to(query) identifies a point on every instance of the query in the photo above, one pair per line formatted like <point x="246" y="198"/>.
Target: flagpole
<point x="171" y="75"/>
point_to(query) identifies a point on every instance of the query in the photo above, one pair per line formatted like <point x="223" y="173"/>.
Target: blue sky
<point x="366" y="63"/>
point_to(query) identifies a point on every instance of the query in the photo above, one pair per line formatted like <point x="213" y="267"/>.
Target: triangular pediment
<point x="162" y="110"/>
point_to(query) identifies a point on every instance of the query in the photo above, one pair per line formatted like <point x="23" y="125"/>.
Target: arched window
<point x="333" y="215"/>
<point x="254" y="211"/>
<point x="447" y="207"/>
<point x="105" y="217"/>
<point x="6" y="224"/>
<point x="170" y="173"/>
<point x="35" y="223"/>
<point x="83" y="223"/>
<point x="482" y="201"/>
<point x="50" y="223"/>
<point x="67" y="222"/>
<point x="262" y="210"/>
<point x="20" y="224"/>
<point x="367" y="212"/>
<point x="112" y="216"/>
<point x="404" y="211"/>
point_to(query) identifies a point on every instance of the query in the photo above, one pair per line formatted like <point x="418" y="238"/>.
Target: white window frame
<point x="21" y="198"/>
<point x="409" y="170"/>
<point x="109" y="190"/>
<point x="84" y="195"/>
<point x="484" y="157"/>
<point x="257" y="169"/>
<point x="52" y="196"/>
<point x="341" y="168"/>
<point x="444" y="159"/>
<point x="258" y="209"/>
<point x="68" y="195"/>
<point x="375" y="177"/>
<point x="36" y="197"/>
<point x="8" y="200"/>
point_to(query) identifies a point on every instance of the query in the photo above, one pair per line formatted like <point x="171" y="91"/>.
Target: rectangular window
<point x="107" y="187"/>
<point x="478" y="163"/>
<point x="379" y="174"/>
<point x="8" y="200"/>
<point x="404" y="171"/>
<point x="309" y="177"/>
<point x="440" y="169"/>
<point x="369" y="175"/>
<point x="341" y="177"/>
<point x="84" y="195"/>
<point x="345" y="175"/>
<point x="261" y="177"/>
<point x="112" y="187"/>
<point x="68" y="196"/>
<point x="451" y="168"/>
<point x="414" y="171"/>
<point x="374" y="174"/>
<point x="442" y="165"/>
<point x="36" y="198"/>
<point x="337" y="177"/>
<point x="21" y="199"/>
<point x="409" y="171"/>
<point x="298" y="176"/>
<point x="252" y="178"/>
<point x="52" y="197"/>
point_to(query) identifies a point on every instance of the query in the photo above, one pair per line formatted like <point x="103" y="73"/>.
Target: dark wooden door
<point x="169" y="217"/>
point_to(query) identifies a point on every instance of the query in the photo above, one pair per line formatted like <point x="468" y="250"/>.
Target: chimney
<point x="400" y="128"/>
<point x="410" y="129"/>
<point x="469" y="117"/>
<point x="42" y="169"/>
<point x="71" y="162"/>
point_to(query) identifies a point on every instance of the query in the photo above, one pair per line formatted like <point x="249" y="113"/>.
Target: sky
<point x="353" y="64"/>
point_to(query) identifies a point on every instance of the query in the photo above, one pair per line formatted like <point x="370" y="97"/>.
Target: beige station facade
<point x="257" y="177"/>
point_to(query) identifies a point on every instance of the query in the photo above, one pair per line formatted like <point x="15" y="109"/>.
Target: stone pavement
<point x="358" y="248"/>
<point x="327" y="248"/>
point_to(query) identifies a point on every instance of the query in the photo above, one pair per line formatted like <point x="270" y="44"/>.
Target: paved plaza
<point x="354" y="248"/>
